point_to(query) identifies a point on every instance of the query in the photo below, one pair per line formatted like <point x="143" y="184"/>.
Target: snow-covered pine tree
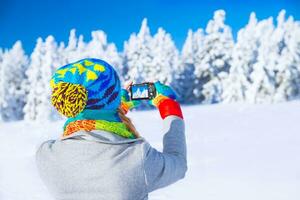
<point x="244" y="55"/>
<point x="138" y="55"/>
<point x="61" y="55"/>
<point x="75" y="49"/>
<point x="262" y="77"/>
<point x="1" y="54"/>
<point x="165" y="59"/>
<point x="287" y="69"/>
<point x="12" y="93"/>
<point x="44" y="59"/>
<point x="52" y="59"/>
<point x="34" y="81"/>
<point x="1" y="57"/>
<point x="98" y="47"/>
<point x="81" y="48"/>
<point x="113" y="57"/>
<point x="184" y="80"/>
<point x="212" y="62"/>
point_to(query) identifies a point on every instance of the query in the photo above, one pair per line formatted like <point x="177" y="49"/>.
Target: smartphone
<point x="142" y="91"/>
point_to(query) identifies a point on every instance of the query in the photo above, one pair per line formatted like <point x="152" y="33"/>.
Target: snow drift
<point x="234" y="152"/>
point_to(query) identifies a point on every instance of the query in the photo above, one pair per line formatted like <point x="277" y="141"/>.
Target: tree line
<point x="262" y="65"/>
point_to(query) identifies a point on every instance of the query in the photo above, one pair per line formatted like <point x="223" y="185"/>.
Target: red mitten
<point x="169" y="107"/>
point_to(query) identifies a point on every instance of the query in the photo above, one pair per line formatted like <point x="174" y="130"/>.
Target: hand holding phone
<point x="126" y="102"/>
<point x="142" y="91"/>
<point x="159" y="95"/>
<point x="163" y="92"/>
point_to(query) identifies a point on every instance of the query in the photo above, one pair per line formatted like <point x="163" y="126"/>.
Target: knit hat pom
<point x="69" y="99"/>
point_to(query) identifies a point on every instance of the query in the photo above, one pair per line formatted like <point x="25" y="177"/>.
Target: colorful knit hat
<point x="88" y="92"/>
<point x="84" y="88"/>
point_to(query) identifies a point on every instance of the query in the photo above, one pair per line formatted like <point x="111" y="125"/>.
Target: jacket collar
<point x="102" y="137"/>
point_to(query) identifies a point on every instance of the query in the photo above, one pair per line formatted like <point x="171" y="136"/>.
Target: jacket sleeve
<point x="169" y="166"/>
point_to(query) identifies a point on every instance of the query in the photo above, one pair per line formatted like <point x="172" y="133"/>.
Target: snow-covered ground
<point x="234" y="152"/>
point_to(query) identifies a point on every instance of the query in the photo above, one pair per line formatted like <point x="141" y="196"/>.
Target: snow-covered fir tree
<point x="44" y="60"/>
<point x="34" y="81"/>
<point x="184" y="80"/>
<point x="51" y="61"/>
<point x="165" y="61"/>
<point x="212" y="62"/>
<point x="287" y="73"/>
<point x="138" y="55"/>
<point x="12" y="92"/>
<point x="1" y="58"/>
<point x="262" y="77"/>
<point x="1" y="55"/>
<point x="99" y="47"/>
<point x="244" y="55"/>
<point x="75" y="49"/>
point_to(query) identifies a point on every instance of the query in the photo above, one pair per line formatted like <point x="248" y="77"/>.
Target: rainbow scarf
<point x="118" y="128"/>
<point x="89" y="120"/>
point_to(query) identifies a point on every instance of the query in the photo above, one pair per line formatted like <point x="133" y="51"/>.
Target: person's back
<point x="104" y="163"/>
<point x="85" y="167"/>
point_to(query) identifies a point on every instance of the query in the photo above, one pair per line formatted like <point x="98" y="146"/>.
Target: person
<point x="100" y="154"/>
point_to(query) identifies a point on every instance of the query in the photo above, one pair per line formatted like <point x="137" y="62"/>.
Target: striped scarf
<point x="118" y="128"/>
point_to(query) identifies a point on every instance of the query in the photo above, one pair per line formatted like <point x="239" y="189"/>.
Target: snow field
<point x="234" y="152"/>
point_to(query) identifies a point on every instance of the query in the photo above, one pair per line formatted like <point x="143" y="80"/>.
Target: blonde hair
<point x="127" y="121"/>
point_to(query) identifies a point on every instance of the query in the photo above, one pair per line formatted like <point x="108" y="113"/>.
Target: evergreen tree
<point x="115" y="59"/>
<point x="165" y="59"/>
<point x="51" y="61"/>
<point x="44" y="60"/>
<point x="244" y="55"/>
<point x="212" y="62"/>
<point x="1" y="55"/>
<point x="12" y="93"/>
<point x="138" y="55"/>
<point x="76" y="49"/>
<point x="34" y="81"/>
<point x="184" y="81"/>
<point x="262" y="77"/>
<point x="72" y="52"/>
<point x="1" y="79"/>
<point x="98" y="47"/>
<point x="287" y="73"/>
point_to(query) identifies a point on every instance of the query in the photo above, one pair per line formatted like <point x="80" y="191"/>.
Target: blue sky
<point x="27" y="20"/>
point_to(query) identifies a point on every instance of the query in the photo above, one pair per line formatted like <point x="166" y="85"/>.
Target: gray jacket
<point x="100" y="165"/>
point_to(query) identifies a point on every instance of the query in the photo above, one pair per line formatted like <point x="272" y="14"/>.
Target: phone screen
<point x="139" y="91"/>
